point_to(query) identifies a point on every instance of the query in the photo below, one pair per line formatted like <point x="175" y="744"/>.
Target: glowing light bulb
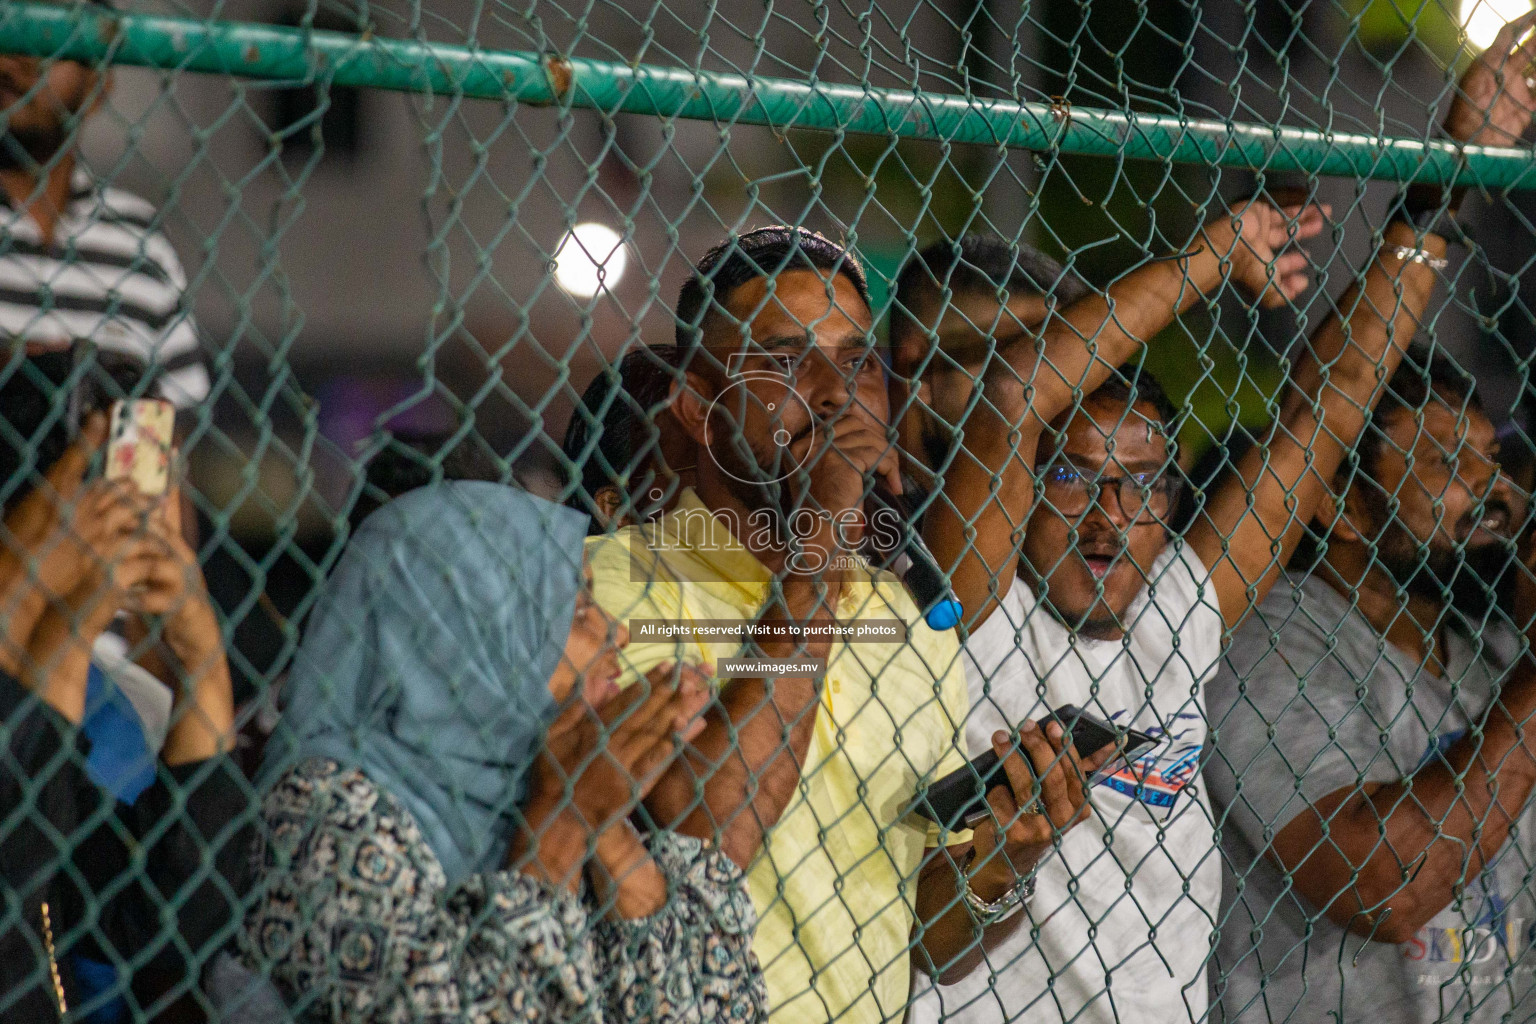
<point x="591" y="257"/>
<point x="1482" y="19"/>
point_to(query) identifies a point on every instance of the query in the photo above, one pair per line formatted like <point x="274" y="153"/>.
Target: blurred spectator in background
<point x="447" y="828"/>
<point x="1501" y="569"/>
<point x="1487" y="589"/>
<point x="91" y="296"/>
<point x="79" y="260"/>
<point x="1517" y="464"/>
<point x="107" y="753"/>
<point x="408" y="460"/>
<point x="809" y="774"/>
<point x="631" y="457"/>
<point x="958" y="282"/>
<point x="1403" y="828"/>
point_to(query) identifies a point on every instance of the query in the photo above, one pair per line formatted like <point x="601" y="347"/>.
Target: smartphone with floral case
<point x="139" y="443"/>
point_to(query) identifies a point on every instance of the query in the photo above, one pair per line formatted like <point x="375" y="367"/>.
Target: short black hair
<point x="763" y="252"/>
<point x="613" y="430"/>
<point x="1422" y="376"/>
<point x="1128" y="386"/>
<point x="412" y="459"/>
<point x="980" y="263"/>
<point x="1136" y="384"/>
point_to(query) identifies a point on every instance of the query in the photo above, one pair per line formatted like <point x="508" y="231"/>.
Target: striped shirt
<point x="110" y="277"/>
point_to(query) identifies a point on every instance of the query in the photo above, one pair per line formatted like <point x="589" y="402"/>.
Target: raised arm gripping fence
<point x="1106" y="300"/>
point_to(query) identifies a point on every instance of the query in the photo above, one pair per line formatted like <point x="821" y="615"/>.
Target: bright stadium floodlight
<point x="1482" y="19"/>
<point x="591" y="257"/>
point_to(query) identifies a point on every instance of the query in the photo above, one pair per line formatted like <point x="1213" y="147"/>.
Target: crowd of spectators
<point x="497" y="793"/>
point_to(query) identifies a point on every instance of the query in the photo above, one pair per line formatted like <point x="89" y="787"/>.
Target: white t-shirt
<point x="1120" y="925"/>
<point x="151" y="699"/>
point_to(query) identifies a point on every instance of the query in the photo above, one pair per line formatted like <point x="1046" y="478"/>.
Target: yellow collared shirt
<point x="836" y="880"/>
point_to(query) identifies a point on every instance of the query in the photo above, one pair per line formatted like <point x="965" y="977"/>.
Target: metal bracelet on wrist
<point x="1409" y="254"/>
<point x="1429" y="219"/>
<point x="1005" y="906"/>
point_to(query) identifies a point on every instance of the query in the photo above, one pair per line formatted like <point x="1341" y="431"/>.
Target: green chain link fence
<point x="381" y="245"/>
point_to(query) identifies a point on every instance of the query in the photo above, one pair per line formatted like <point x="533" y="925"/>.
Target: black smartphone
<point x="959" y="798"/>
<point x="101" y="379"/>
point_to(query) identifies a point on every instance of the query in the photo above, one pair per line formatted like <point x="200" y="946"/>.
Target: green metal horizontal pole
<point x="92" y="35"/>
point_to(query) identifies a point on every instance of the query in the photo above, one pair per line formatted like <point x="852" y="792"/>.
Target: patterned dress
<point x="356" y="926"/>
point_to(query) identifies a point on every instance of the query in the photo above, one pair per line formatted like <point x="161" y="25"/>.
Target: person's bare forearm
<point x="988" y="488"/>
<point x="204" y="727"/>
<point x="552" y="845"/>
<point x="37" y="562"/>
<point x="1355" y="350"/>
<point x="1082" y="345"/>
<point x="750" y="755"/>
<point x="33" y="572"/>
<point x="57" y="661"/>
<point x="21" y="606"/>
<point x="1452" y="817"/>
<point x="627" y="881"/>
<point x="947" y="941"/>
<point x="1256" y="519"/>
<point x="1394" y="857"/>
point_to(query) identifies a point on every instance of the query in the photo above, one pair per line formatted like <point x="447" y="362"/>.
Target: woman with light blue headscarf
<point x="447" y="835"/>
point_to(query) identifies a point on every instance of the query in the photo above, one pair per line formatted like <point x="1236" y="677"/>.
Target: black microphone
<point x="923" y="577"/>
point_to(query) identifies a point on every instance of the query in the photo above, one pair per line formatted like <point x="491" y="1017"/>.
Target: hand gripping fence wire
<point x="1186" y="347"/>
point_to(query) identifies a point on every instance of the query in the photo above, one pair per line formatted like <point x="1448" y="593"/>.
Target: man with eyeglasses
<point x="1009" y="374"/>
<point x="1118" y="616"/>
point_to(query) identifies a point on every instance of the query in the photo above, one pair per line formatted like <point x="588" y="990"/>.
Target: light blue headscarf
<point x="427" y="659"/>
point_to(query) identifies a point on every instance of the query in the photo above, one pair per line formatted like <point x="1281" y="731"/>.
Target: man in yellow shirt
<point x="807" y="777"/>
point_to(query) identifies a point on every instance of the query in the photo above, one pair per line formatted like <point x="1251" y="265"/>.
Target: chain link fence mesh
<point x="1106" y="302"/>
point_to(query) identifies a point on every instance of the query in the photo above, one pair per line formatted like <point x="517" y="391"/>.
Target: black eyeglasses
<point x="1142" y="497"/>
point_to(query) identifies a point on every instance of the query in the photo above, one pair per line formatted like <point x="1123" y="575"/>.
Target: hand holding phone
<point x="959" y="799"/>
<point x="1045" y="797"/>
